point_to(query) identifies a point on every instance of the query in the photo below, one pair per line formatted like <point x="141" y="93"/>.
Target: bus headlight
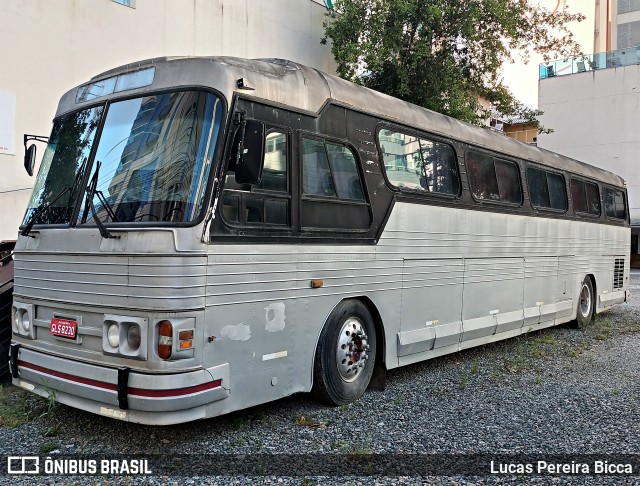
<point x="133" y="337"/>
<point x="113" y="335"/>
<point x="24" y="321"/>
<point x="125" y="336"/>
<point x="16" y="321"/>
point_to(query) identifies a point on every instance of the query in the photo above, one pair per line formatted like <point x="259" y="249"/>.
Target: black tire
<point x="586" y="304"/>
<point x="341" y="381"/>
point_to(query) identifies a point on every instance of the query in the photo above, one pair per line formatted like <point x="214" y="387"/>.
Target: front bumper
<point x="158" y="399"/>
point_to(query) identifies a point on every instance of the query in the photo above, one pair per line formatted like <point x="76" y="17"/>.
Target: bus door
<point x="252" y="287"/>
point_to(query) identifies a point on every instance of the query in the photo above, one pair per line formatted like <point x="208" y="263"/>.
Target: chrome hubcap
<point x="353" y="349"/>
<point x="585" y="300"/>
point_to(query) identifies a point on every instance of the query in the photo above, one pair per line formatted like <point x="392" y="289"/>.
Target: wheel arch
<point x="593" y="282"/>
<point x="381" y="346"/>
<point x="592" y="277"/>
<point x="379" y="325"/>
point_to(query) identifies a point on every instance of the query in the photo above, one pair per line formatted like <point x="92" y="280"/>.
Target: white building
<point x="51" y="46"/>
<point x="593" y="103"/>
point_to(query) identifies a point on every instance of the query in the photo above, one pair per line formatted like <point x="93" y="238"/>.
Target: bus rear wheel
<point x="586" y="304"/>
<point x="345" y="356"/>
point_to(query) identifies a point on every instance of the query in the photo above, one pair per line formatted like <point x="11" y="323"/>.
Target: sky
<point x="522" y="79"/>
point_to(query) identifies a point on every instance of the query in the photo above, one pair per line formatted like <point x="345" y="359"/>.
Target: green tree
<point x="444" y="54"/>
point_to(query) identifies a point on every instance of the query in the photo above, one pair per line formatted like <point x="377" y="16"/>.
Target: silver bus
<point x="208" y="234"/>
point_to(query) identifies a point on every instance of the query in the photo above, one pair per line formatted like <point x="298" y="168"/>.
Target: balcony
<point x="590" y="62"/>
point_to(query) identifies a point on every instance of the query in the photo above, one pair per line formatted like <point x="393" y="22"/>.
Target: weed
<point x="615" y="392"/>
<point x="48" y="447"/>
<point x="546" y="339"/>
<point x="237" y="423"/>
<point x="464" y="381"/>
<point x="310" y="422"/>
<point x="474" y="366"/>
<point x="17" y="406"/>
<point x="52" y="431"/>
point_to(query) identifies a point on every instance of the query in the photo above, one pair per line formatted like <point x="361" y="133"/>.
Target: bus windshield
<point x="67" y="151"/>
<point x="151" y="163"/>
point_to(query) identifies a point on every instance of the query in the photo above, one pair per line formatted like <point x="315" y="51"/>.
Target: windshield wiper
<point x="68" y="189"/>
<point x="91" y="192"/>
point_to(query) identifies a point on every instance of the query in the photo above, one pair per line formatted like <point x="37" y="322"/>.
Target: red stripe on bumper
<point x="141" y="392"/>
<point x="175" y="392"/>
<point x="66" y="376"/>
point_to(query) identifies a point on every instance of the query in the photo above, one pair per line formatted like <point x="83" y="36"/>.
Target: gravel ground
<point x="558" y="391"/>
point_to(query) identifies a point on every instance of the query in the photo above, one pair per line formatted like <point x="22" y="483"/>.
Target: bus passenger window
<point x="440" y="168"/>
<point x="345" y="172"/>
<point x="546" y="189"/>
<point x="508" y="176"/>
<point x="557" y="191"/>
<point x="614" y="204"/>
<point x="593" y="198"/>
<point x="482" y="176"/>
<point x="538" y="189"/>
<point x="402" y="160"/>
<point x="494" y="179"/>
<point x="419" y="164"/>
<point x="585" y="197"/>
<point x="316" y="174"/>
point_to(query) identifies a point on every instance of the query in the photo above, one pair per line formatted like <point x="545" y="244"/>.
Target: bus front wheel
<point x="345" y="356"/>
<point x="586" y="304"/>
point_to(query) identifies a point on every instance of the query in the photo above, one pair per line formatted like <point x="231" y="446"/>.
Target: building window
<point x="127" y="3"/>
<point x="626" y="6"/>
<point x="628" y="34"/>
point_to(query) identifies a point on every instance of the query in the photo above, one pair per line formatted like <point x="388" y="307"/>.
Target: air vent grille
<point x="618" y="274"/>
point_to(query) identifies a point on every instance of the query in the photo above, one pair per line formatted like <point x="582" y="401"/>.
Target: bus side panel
<point x="252" y="321"/>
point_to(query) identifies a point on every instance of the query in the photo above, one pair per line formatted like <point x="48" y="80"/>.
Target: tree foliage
<point x="444" y="54"/>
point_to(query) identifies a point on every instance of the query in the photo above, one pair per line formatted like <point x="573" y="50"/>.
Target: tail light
<point x="165" y="339"/>
<point x="185" y="339"/>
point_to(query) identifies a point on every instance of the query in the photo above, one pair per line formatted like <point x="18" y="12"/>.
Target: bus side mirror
<point x="250" y="153"/>
<point x="30" y="159"/>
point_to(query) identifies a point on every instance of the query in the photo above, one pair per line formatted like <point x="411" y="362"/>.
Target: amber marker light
<point x="165" y="339"/>
<point x="185" y="339"/>
<point x="316" y="284"/>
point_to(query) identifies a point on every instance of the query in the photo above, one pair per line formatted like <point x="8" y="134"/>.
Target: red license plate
<point x="63" y="327"/>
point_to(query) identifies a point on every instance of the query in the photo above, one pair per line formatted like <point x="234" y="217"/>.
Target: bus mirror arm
<point x="250" y="150"/>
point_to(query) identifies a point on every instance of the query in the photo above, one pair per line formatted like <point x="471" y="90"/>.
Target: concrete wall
<point x="51" y="46"/>
<point x="596" y="116"/>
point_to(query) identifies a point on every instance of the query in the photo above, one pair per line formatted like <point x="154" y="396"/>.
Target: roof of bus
<point x="307" y="89"/>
